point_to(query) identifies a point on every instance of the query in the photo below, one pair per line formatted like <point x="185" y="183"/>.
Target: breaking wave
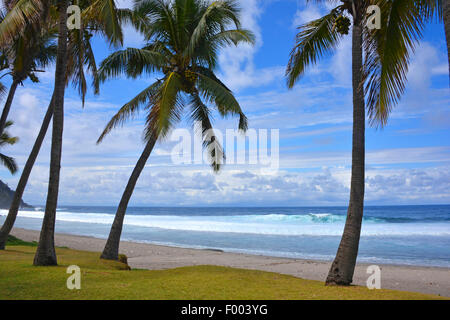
<point x="312" y="224"/>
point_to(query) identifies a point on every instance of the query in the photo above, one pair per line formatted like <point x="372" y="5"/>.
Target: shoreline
<point x="432" y="280"/>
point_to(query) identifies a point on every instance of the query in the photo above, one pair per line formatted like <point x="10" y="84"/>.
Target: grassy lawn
<point x="101" y="279"/>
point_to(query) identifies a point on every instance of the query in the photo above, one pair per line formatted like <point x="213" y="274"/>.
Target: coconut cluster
<point x="190" y="80"/>
<point x="190" y="76"/>
<point x="342" y="24"/>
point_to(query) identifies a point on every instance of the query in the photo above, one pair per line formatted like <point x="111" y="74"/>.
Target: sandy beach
<point x="431" y="280"/>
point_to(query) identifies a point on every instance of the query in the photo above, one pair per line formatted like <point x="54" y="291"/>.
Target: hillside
<point x="6" y="195"/>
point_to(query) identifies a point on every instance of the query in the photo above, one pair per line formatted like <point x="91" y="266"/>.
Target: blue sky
<point x="408" y="161"/>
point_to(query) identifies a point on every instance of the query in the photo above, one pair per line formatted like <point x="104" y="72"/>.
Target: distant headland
<point x="6" y="196"/>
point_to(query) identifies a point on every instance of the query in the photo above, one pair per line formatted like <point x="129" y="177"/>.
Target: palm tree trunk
<point x="343" y="267"/>
<point x="45" y="253"/>
<point x="7" y="107"/>
<point x="446" y="7"/>
<point x="15" y="204"/>
<point x="111" y="250"/>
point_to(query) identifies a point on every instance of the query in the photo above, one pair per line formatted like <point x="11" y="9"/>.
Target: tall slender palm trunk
<point x="111" y="250"/>
<point x="446" y="6"/>
<point x="343" y="267"/>
<point x="45" y="253"/>
<point x="15" y="204"/>
<point x="8" y="103"/>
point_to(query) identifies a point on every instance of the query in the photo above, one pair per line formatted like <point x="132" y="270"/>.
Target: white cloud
<point x="306" y="14"/>
<point x="237" y="63"/>
<point x="341" y="62"/>
<point x="425" y="63"/>
<point x="425" y="155"/>
<point x="174" y="187"/>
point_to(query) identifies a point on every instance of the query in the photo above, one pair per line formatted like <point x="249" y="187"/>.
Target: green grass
<point x="13" y="241"/>
<point x="101" y="279"/>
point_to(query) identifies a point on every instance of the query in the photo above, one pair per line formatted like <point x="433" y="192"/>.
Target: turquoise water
<point x="413" y="235"/>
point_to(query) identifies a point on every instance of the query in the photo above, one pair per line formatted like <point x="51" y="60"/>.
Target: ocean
<point x="405" y="235"/>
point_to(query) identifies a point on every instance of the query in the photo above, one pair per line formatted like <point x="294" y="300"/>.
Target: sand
<point x="431" y="280"/>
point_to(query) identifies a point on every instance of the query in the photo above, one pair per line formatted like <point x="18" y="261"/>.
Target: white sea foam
<point x="318" y="224"/>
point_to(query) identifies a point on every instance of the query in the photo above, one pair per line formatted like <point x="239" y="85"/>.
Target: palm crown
<point x="31" y="51"/>
<point x="387" y="50"/>
<point x="183" y="39"/>
<point x="37" y="20"/>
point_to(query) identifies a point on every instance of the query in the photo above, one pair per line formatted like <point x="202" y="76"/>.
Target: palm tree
<point x="5" y="139"/>
<point x="100" y="17"/>
<point x="379" y="78"/>
<point x="183" y="37"/>
<point x="45" y="253"/>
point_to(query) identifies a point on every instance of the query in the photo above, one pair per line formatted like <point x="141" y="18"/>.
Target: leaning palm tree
<point x="183" y="37"/>
<point x="6" y="139"/>
<point x="379" y="79"/>
<point x="99" y="17"/>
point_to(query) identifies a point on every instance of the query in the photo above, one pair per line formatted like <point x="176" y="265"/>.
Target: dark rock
<point x="6" y="196"/>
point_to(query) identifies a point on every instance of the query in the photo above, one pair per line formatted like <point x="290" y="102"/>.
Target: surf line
<point x="193" y="310"/>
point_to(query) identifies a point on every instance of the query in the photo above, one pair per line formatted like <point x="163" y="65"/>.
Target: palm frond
<point x="314" y="40"/>
<point x="201" y="113"/>
<point x="80" y="59"/>
<point x="131" y="62"/>
<point x="45" y="54"/>
<point x="106" y="14"/>
<point x="9" y="163"/>
<point x="235" y="37"/>
<point x="430" y="9"/>
<point x="132" y="17"/>
<point x="3" y="90"/>
<point x="215" y="18"/>
<point x="5" y="138"/>
<point x="75" y="63"/>
<point x="388" y="51"/>
<point x="216" y="92"/>
<point x="170" y="103"/>
<point x="18" y="17"/>
<point x="162" y="24"/>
